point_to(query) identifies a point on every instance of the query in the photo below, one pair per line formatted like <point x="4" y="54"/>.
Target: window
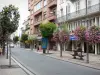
<point x="44" y="14"/>
<point x="38" y="6"/>
<point x="68" y="9"/>
<point x="61" y="11"/>
<point x="77" y="6"/>
<point x="45" y="2"/>
<point x="61" y="1"/>
<point x="89" y="3"/>
<point x="54" y="11"/>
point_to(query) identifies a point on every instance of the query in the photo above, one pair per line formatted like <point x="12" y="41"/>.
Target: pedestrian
<point x="35" y="46"/>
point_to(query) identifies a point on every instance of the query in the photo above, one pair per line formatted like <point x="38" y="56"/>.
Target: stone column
<point x="96" y="21"/>
<point x="64" y="47"/>
<point x="92" y="22"/>
<point x="58" y="46"/>
<point x="72" y="45"/>
<point x="83" y="46"/>
<point x="99" y="21"/>
<point x="96" y="52"/>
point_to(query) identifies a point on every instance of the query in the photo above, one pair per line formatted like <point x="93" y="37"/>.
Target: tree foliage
<point x="47" y="28"/>
<point x="93" y="34"/>
<point x="61" y="34"/>
<point x="15" y="39"/>
<point x="24" y="38"/>
<point x="31" y="38"/>
<point x="80" y="32"/>
<point x="9" y="19"/>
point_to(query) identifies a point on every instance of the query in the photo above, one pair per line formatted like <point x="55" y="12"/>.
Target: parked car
<point x="12" y="45"/>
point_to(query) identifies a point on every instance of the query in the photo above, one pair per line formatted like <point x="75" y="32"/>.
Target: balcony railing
<point x="81" y="13"/>
<point x="37" y="22"/>
<point x="50" y="16"/>
<point x="50" y="1"/>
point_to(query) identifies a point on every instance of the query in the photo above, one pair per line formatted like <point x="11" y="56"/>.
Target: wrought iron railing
<point x="80" y="13"/>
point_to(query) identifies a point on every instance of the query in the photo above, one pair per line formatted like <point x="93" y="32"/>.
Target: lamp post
<point x="9" y="55"/>
<point x="87" y="51"/>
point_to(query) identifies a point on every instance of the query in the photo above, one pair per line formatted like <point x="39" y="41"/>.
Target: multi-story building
<point x="25" y="29"/>
<point x="79" y="12"/>
<point x="27" y="26"/>
<point x="41" y="10"/>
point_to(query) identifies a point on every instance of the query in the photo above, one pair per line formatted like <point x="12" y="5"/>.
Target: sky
<point x="23" y="9"/>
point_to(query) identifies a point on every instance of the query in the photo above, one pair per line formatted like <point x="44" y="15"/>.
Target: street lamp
<point x="87" y="51"/>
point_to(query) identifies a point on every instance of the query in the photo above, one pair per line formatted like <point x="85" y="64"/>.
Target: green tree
<point x="47" y="28"/>
<point x="31" y="40"/>
<point x="15" y="39"/>
<point x="24" y="38"/>
<point x="9" y="20"/>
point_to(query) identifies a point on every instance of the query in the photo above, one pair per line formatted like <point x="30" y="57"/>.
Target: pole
<point x="99" y="5"/>
<point x="7" y="48"/>
<point x="61" y="50"/>
<point x="87" y="51"/>
<point x="86" y="7"/>
<point x="9" y="56"/>
<point x="87" y="54"/>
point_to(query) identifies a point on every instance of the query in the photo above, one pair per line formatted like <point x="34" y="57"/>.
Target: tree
<point x="47" y="28"/>
<point x="15" y="39"/>
<point x="31" y="39"/>
<point x="61" y="36"/>
<point x="24" y="38"/>
<point x="9" y="20"/>
<point x="93" y="35"/>
<point x="79" y="32"/>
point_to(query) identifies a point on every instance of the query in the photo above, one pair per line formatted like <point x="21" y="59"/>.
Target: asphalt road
<point x="43" y="65"/>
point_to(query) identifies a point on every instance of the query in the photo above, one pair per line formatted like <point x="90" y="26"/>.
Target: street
<point x="43" y="65"/>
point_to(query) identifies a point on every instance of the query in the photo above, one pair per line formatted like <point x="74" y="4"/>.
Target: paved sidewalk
<point x="94" y="61"/>
<point x="5" y="70"/>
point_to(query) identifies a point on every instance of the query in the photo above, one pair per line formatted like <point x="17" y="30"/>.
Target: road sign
<point x="73" y="37"/>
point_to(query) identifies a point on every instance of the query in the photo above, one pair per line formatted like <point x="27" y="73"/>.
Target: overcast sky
<point x="21" y="4"/>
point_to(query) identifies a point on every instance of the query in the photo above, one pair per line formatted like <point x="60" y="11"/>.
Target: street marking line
<point x="24" y="68"/>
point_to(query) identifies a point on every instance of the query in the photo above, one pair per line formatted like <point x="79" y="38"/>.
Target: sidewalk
<point x="94" y="61"/>
<point x="5" y="70"/>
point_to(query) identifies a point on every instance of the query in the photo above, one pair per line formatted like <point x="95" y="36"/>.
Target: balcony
<point x="51" y="17"/>
<point x="93" y="10"/>
<point x="52" y="3"/>
<point x="37" y="22"/>
<point x="38" y="12"/>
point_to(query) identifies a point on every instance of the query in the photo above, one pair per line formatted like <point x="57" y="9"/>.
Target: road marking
<point x="25" y="69"/>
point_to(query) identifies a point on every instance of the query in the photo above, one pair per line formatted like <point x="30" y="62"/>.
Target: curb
<point x="72" y="62"/>
<point x="26" y="70"/>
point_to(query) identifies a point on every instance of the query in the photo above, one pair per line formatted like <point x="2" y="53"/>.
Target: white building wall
<point x="72" y="6"/>
<point x="94" y="20"/>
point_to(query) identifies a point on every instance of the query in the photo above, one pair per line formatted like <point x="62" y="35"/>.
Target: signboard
<point x="73" y="37"/>
<point x="44" y="43"/>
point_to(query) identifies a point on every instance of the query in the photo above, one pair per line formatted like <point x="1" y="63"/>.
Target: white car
<point x="12" y="45"/>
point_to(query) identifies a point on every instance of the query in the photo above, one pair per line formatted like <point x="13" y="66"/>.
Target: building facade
<point x="79" y="12"/>
<point x="26" y="26"/>
<point x="25" y="29"/>
<point x="41" y="10"/>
